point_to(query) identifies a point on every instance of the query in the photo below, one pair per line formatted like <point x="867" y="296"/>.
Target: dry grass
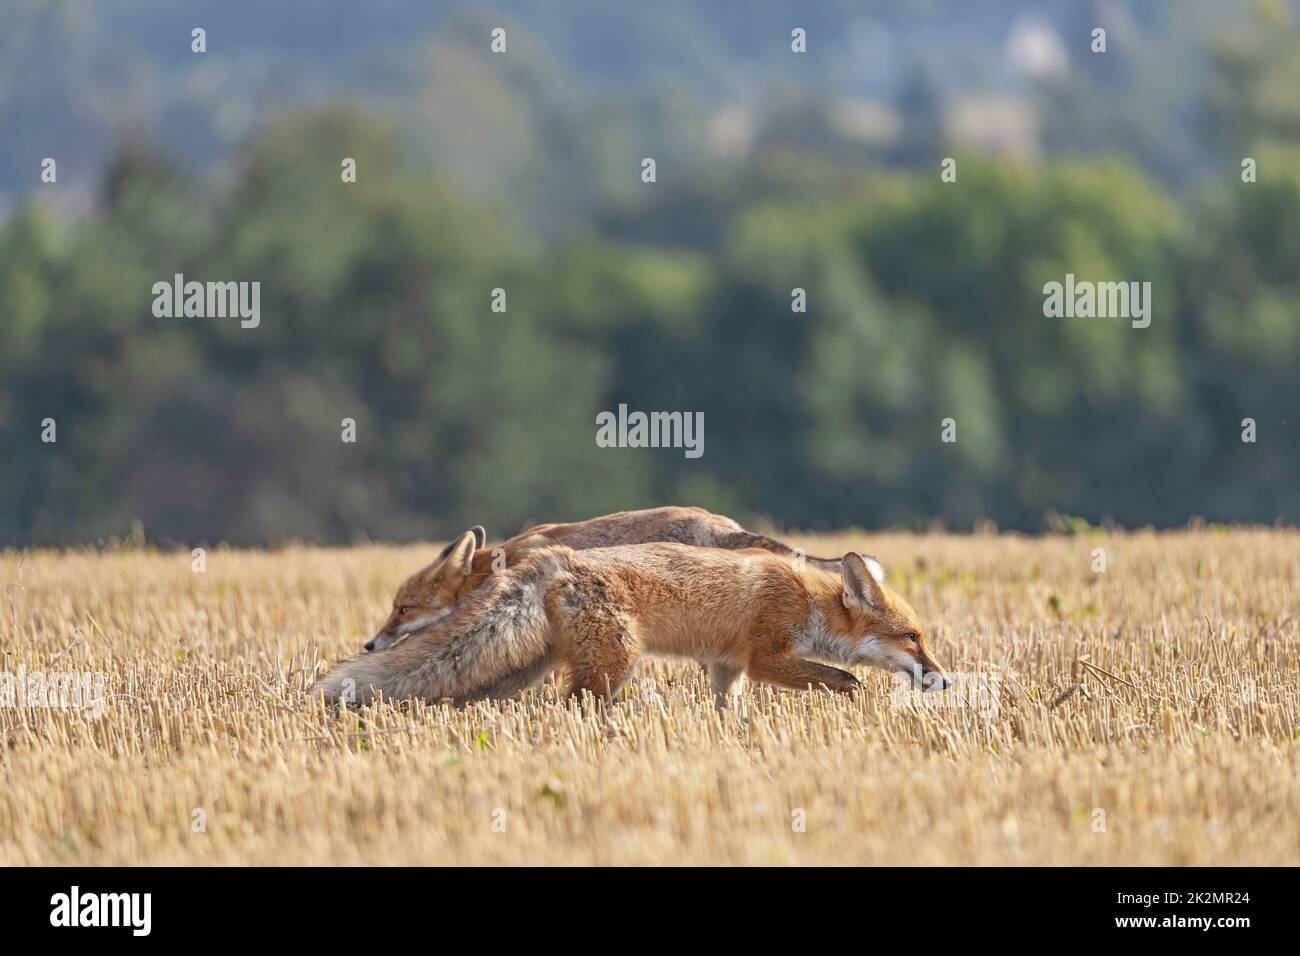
<point x="1183" y="731"/>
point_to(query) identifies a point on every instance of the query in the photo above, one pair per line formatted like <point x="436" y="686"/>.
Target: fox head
<point x="874" y="625"/>
<point x="432" y="592"/>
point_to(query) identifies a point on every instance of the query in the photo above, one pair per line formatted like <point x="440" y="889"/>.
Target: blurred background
<point x="522" y="171"/>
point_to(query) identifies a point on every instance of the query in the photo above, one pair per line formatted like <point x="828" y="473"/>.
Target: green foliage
<point x="924" y="302"/>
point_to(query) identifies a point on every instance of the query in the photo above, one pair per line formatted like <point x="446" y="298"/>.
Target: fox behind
<point x="432" y="592"/>
<point x="595" y="612"/>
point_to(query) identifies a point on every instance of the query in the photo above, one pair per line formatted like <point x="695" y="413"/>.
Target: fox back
<point x="432" y="592"/>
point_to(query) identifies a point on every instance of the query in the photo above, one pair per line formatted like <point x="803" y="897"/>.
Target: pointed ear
<point x="862" y="589"/>
<point x="480" y="538"/>
<point x="460" y="554"/>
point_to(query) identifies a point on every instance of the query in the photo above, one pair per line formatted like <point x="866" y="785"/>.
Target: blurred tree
<point x="924" y="302"/>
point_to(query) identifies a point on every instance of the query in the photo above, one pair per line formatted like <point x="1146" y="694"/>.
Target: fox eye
<point x="914" y="637"/>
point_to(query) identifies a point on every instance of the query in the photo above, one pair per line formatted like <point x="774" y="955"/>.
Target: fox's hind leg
<point x="601" y="664"/>
<point x="600" y="653"/>
<point x="799" y="674"/>
<point x="596" y="636"/>
<point x="722" y="677"/>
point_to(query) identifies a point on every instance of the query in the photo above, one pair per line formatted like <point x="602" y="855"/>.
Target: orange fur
<point x="593" y="613"/>
<point x="433" y="591"/>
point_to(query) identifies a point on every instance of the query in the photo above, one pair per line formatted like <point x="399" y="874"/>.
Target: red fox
<point x="595" y="612"/>
<point x="431" y="593"/>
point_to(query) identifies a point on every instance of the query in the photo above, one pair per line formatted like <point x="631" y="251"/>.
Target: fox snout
<point x="379" y="642"/>
<point x="935" y="680"/>
<point x="922" y="670"/>
<point x="925" y="679"/>
<point x="395" y="628"/>
<point x="927" y="675"/>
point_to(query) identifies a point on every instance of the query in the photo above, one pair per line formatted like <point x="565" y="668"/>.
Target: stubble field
<point x="1144" y="714"/>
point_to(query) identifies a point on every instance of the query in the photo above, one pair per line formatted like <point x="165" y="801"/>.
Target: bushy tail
<point x="495" y="644"/>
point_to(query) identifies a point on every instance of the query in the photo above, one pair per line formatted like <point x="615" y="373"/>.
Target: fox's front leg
<point x="799" y="674"/>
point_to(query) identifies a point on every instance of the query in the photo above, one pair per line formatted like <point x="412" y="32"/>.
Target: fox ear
<point x="861" y="581"/>
<point x="480" y="539"/>
<point x="460" y="553"/>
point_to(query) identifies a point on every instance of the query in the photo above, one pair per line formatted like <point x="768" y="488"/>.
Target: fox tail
<point x="498" y="642"/>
